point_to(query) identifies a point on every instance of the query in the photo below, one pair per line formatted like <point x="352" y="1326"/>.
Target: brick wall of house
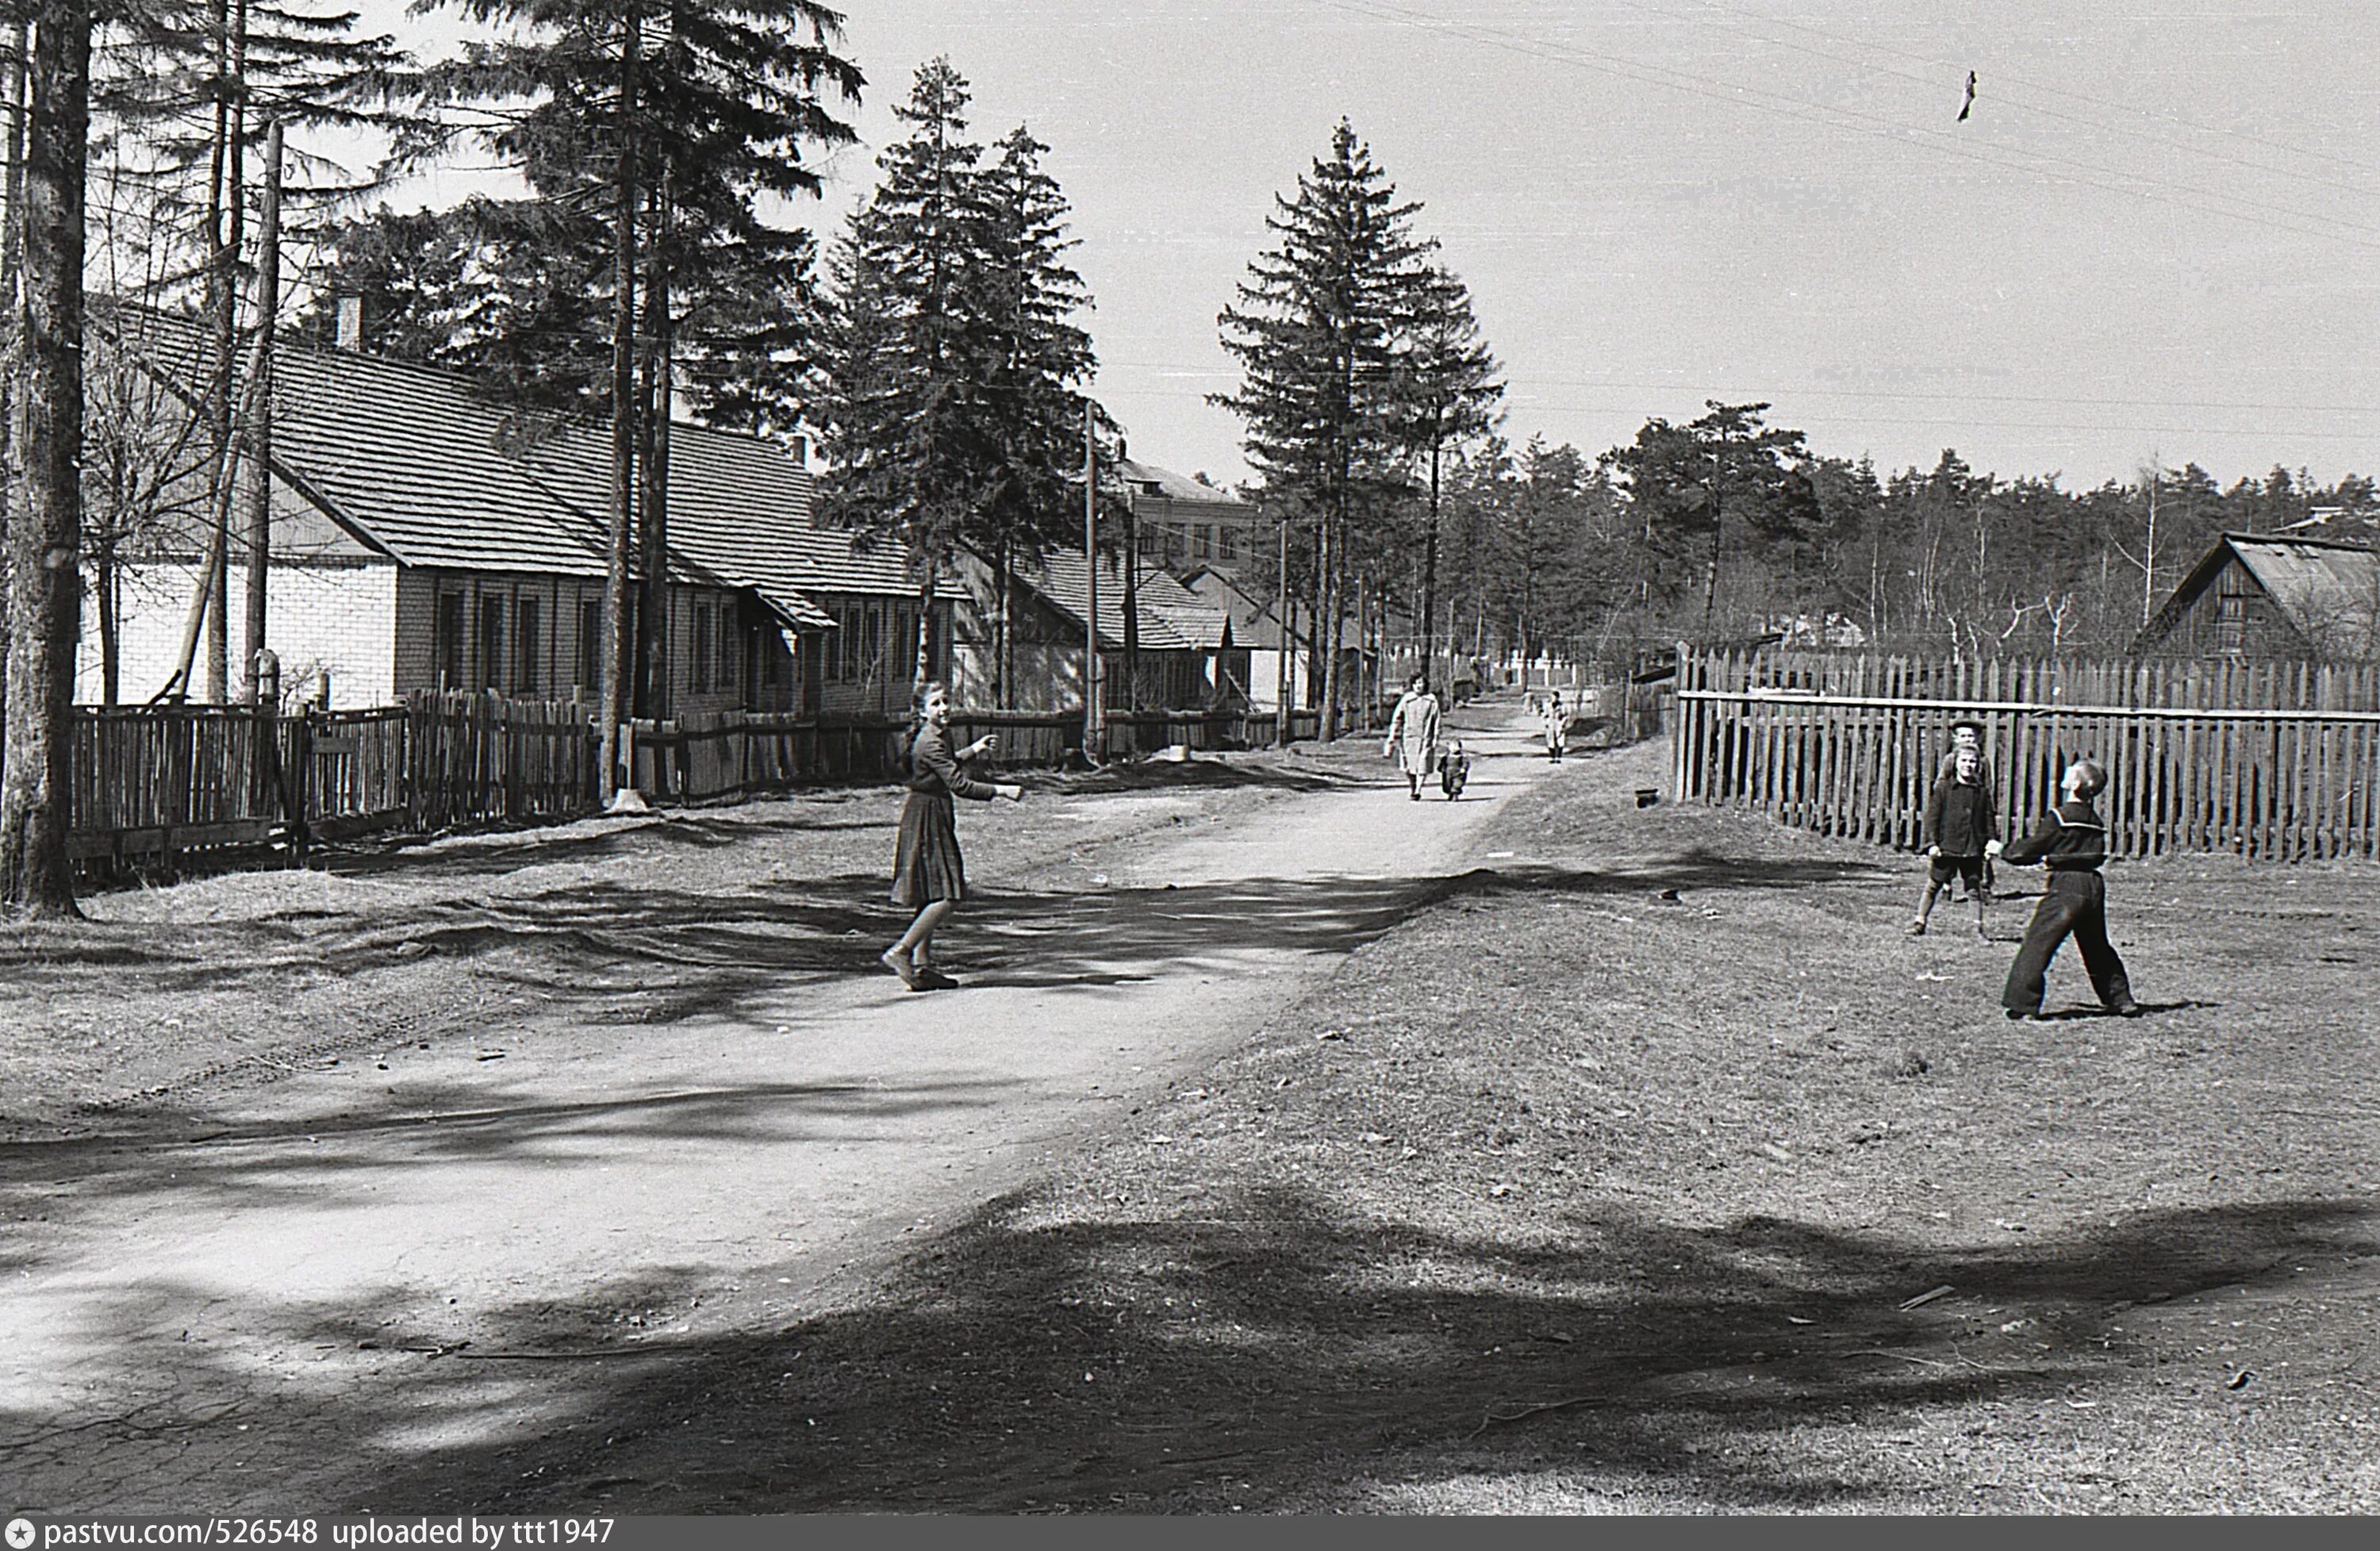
<point x="322" y="617"/>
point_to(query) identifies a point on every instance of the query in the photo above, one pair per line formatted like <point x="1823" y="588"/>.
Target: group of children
<point x="1961" y="842"/>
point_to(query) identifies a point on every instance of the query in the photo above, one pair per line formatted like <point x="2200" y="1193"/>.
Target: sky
<point x="2155" y="237"/>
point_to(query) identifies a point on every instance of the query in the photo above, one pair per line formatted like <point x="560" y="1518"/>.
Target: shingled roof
<point x="1172" y="618"/>
<point x="433" y="468"/>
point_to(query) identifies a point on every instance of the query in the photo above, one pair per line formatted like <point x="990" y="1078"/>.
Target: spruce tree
<point x="1316" y="330"/>
<point x="1447" y="388"/>
<point x="950" y="395"/>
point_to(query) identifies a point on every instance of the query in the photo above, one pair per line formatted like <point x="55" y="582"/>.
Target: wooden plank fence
<point x="162" y="789"/>
<point x="2273" y="761"/>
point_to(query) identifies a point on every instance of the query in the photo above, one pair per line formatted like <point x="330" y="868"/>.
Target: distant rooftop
<point x="1149" y="480"/>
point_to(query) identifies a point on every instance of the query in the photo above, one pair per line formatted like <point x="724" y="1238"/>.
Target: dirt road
<point x="310" y="1293"/>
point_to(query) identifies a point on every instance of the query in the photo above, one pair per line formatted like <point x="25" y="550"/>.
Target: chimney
<point x="351" y="322"/>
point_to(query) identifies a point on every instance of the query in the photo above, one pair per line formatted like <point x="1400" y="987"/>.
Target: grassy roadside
<point x="1569" y="1196"/>
<point x="165" y="994"/>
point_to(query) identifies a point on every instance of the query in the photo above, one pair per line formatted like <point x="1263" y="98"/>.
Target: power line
<point x="1854" y="121"/>
<point x="1120" y="390"/>
<point x="1803" y="390"/>
<point x="2048" y="89"/>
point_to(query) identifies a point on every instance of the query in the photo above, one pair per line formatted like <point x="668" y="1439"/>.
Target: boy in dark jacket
<point x="1961" y="825"/>
<point x="2071" y="843"/>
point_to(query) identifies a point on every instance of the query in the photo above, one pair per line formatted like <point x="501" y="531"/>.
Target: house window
<point x="491" y="643"/>
<point x="726" y="648"/>
<point x="701" y="666"/>
<point x="451" y="674"/>
<point x="1202" y="543"/>
<point x="871" y="649"/>
<point x="590" y="644"/>
<point x="526" y="645"/>
<point x="1227" y="543"/>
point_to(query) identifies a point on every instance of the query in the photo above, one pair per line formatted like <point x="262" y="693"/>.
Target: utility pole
<point x="259" y="446"/>
<point x="1090" y="591"/>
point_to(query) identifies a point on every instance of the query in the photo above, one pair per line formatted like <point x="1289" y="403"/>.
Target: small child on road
<point x="2071" y="841"/>
<point x="1962" y="822"/>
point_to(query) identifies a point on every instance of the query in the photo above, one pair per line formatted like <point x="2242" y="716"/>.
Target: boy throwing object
<point x="2071" y="843"/>
<point x="1960" y="825"/>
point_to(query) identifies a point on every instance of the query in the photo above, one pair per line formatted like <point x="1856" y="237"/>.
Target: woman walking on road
<point x="928" y="873"/>
<point x="1413" y="732"/>
<point x="1557" y="726"/>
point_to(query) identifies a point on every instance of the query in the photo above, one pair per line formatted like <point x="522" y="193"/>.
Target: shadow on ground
<point x="628" y="954"/>
<point x="1271" y="1354"/>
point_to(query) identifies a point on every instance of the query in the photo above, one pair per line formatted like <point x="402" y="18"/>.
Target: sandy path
<point x="223" y="1319"/>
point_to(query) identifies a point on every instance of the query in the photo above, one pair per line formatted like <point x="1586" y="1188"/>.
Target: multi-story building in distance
<point x="1184" y="522"/>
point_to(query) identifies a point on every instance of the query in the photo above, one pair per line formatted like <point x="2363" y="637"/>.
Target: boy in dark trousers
<point x="2070" y="842"/>
<point x="1967" y="735"/>
<point x="1962" y="822"/>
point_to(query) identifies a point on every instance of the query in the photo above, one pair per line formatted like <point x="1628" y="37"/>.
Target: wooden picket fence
<point x="161" y="788"/>
<point x="2277" y="762"/>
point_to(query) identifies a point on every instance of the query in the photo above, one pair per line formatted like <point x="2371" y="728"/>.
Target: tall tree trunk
<point x="1001" y="585"/>
<point x="925" y="641"/>
<point x="260" y="425"/>
<point x="1319" y="655"/>
<point x="111" y="633"/>
<point x="12" y="248"/>
<point x="1429" y="558"/>
<point x="1286" y="609"/>
<point x="616" y="662"/>
<point x="231" y="151"/>
<point x="36" y="780"/>
<point x="1331" y="621"/>
<point x="1718" y="529"/>
<point x="1131" y="608"/>
<point x="653" y="697"/>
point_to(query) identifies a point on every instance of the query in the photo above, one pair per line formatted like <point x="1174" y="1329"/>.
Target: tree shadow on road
<point x="1272" y="1353"/>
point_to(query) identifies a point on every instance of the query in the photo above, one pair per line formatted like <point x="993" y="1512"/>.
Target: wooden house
<point x="2271" y="596"/>
<point x="1185" y="647"/>
<point x="429" y="533"/>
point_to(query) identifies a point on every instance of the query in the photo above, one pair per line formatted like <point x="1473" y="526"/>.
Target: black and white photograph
<point x="1380" y="758"/>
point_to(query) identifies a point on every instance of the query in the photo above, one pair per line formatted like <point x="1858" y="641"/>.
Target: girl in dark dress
<point x="928" y="874"/>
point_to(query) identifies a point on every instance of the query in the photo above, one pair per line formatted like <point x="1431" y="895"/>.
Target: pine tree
<point x="951" y="396"/>
<point x="906" y="410"/>
<point x="1316" y="330"/>
<point x="680" y="119"/>
<point x="1447" y="387"/>
<point x="1034" y="501"/>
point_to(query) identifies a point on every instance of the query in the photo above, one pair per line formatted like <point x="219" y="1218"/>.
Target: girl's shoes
<point x="932" y="980"/>
<point x="898" y="962"/>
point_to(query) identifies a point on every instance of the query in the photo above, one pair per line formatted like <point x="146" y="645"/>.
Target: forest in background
<point x="1728" y="529"/>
